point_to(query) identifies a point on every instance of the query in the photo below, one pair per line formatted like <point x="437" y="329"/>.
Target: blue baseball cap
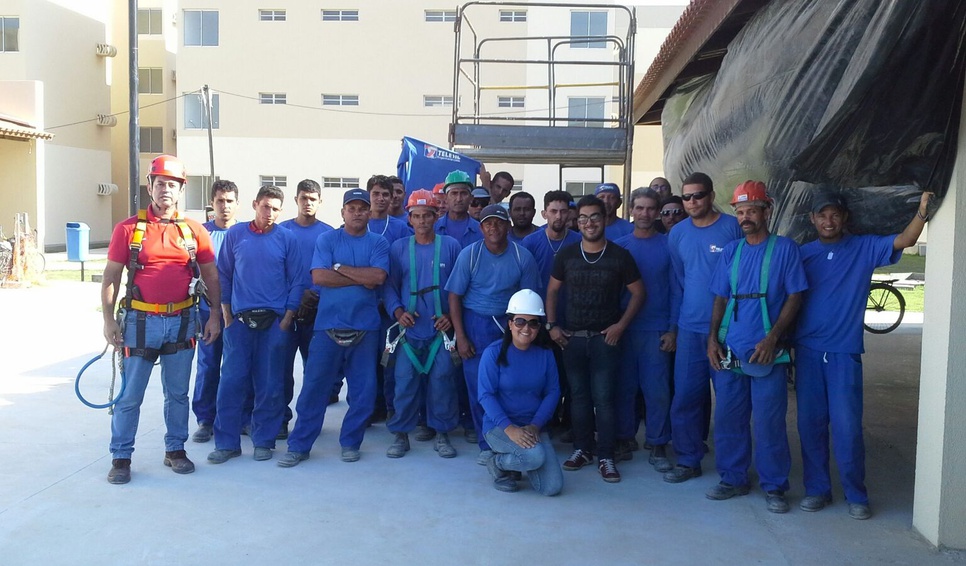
<point x="607" y="188"/>
<point x="355" y="194"/>
<point x="494" y="211"/>
<point x="820" y="201"/>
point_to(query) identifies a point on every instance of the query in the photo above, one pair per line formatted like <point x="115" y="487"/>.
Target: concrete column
<point x="939" y="510"/>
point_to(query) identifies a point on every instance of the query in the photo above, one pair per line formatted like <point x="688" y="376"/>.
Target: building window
<point x="592" y="24"/>
<point x="198" y="191"/>
<point x="513" y="15"/>
<point x="149" y="81"/>
<point x="580" y="188"/>
<point x="271" y="15"/>
<point x="437" y="101"/>
<point x="280" y="181"/>
<point x="340" y="182"/>
<point x="149" y="21"/>
<point x="340" y="100"/>
<point x="440" y="15"/>
<point x="9" y="34"/>
<point x="152" y="140"/>
<point x="195" y="116"/>
<point x="340" y="15"/>
<point x="509" y="101"/>
<point x="272" y="98"/>
<point x="581" y="110"/>
<point x="517" y="185"/>
<point x="201" y="27"/>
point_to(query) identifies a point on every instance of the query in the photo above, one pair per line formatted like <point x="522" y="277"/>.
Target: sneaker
<point x="350" y="454"/>
<point x="507" y="484"/>
<point x="471" y="436"/>
<point x="776" y="502"/>
<point x="578" y="460"/>
<point x="120" y="471"/>
<point x="282" y="432"/>
<point x="484" y="456"/>
<point x="399" y="447"/>
<point x="221" y="456"/>
<point x="859" y="511"/>
<point x="262" y="453"/>
<point x="658" y="459"/>
<point x="424" y="433"/>
<point x="178" y="462"/>
<point x="291" y="459"/>
<point x="623" y="451"/>
<point x="724" y="491"/>
<point x="443" y="446"/>
<point x="812" y="503"/>
<point x="680" y="474"/>
<point x="203" y="434"/>
<point x="608" y="470"/>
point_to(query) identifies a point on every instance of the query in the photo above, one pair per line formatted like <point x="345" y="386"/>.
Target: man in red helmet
<point x="170" y="263"/>
<point x="758" y="287"/>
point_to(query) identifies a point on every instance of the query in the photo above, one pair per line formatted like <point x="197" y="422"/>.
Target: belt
<point x="584" y="333"/>
<point x="162" y="308"/>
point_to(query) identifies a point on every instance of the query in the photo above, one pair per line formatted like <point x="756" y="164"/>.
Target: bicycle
<point x="888" y="304"/>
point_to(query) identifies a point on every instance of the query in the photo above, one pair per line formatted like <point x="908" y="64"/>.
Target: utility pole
<point x="211" y="146"/>
<point x="134" y="131"/>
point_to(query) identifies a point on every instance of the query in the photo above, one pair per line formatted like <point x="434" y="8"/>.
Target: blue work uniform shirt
<point x="353" y="307"/>
<point x="654" y="262"/>
<point x="397" y="290"/>
<point x="486" y="280"/>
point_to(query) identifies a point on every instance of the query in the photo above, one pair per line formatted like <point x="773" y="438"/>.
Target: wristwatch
<point x="549" y="326"/>
<point x="336" y="267"/>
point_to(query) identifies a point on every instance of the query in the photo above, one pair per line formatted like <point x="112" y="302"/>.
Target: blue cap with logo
<point x="494" y="211"/>
<point x="355" y="194"/>
<point x="607" y="188"/>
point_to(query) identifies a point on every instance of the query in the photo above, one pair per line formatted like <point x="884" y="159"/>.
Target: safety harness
<point x="414" y="294"/>
<point x="132" y="298"/>
<point x="731" y="310"/>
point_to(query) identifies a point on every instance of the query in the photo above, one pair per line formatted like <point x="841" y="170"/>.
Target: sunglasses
<point x="661" y="187"/>
<point x="696" y="196"/>
<point x="521" y="322"/>
<point x="479" y="202"/>
<point x="672" y="212"/>
<point x="595" y="218"/>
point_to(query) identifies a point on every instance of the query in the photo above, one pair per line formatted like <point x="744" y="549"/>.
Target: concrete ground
<point x="57" y="508"/>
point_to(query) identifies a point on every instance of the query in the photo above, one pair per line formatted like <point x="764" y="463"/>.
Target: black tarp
<point x="861" y="97"/>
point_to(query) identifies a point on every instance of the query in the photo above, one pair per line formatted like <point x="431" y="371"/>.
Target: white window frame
<point x="150" y="80"/>
<point x="155" y="139"/>
<point x="193" y="98"/>
<point x="340" y="15"/>
<point x="510" y="102"/>
<point x="340" y="182"/>
<point x="268" y="15"/>
<point x="437" y="101"/>
<point x="14" y="43"/>
<point x="280" y="181"/>
<point x="440" y="16"/>
<point x="580" y="188"/>
<point x="511" y="16"/>
<point x="589" y="30"/>
<point x="198" y="192"/>
<point x="205" y="40"/>
<point x="154" y="21"/>
<point x="340" y="99"/>
<point x="272" y="98"/>
<point x="588" y="101"/>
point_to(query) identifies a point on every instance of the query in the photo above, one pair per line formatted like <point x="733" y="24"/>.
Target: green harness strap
<point x="731" y="309"/>
<point x="437" y="305"/>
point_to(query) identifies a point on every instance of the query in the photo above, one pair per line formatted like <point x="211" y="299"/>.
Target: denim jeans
<point x="829" y="392"/>
<point x="482" y="331"/>
<point x="439" y="388"/>
<point x="207" y="375"/>
<point x="737" y="397"/>
<point x="254" y="360"/>
<point x="592" y="368"/>
<point x="328" y="362"/>
<point x="691" y="404"/>
<point x="540" y="462"/>
<point x="644" y="368"/>
<point x="175" y="376"/>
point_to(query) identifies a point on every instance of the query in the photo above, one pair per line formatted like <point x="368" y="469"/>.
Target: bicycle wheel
<point x="884" y="309"/>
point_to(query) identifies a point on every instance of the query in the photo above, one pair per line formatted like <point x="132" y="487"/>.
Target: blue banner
<point x="423" y="165"/>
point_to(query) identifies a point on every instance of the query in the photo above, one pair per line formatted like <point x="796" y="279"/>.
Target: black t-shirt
<point x="593" y="285"/>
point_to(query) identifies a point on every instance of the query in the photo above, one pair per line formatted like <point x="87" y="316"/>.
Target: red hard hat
<point x="749" y="192"/>
<point x="438" y="189"/>
<point x="169" y="166"/>
<point x="422" y="197"/>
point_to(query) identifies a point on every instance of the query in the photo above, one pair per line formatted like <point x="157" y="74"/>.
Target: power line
<point x="165" y="101"/>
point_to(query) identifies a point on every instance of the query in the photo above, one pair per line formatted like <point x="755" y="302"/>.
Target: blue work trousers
<point x="298" y="344"/>
<point x="252" y="369"/>
<point x="175" y="376"/>
<point x="482" y="331"/>
<point x="438" y="390"/>
<point x="644" y="368"/>
<point x="540" y="462"/>
<point x="592" y="371"/>
<point x="207" y="375"/>
<point x="829" y="390"/>
<point x="328" y="362"/>
<point x="691" y="404"/>
<point x="737" y="397"/>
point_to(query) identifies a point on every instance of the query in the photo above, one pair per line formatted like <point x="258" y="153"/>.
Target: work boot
<point x="120" y="471"/>
<point x="424" y="433"/>
<point x="221" y="456"/>
<point x="292" y="459"/>
<point x="203" y="434"/>
<point x="178" y="461"/>
<point x="483" y="456"/>
<point x="399" y="447"/>
<point x="350" y="454"/>
<point x="470" y="436"/>
<point x="444" y="447"/>
<point x="724" y="491"/>
<point x="262" y="453"/>
<point x="813" y="503"/>
<point x="658" y="459"/>
<point x="776" y="502"/>
<point x="858" y="511"/>
<point x="681" y="473"/>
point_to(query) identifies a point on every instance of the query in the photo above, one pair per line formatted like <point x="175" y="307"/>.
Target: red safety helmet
<point x="422" y="197"/>
<point x="751" y="192"/>
<point x="169" y="166"/>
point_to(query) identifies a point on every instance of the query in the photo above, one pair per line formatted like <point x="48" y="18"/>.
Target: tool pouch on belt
<point x="345" y="337"/>
<point x="257" y="319"/>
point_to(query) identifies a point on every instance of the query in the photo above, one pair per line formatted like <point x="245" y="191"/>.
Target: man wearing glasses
<point x="695" y="244"/>
<point x="595" y="272"/>
<point x="662" y="187"/>
<point x="481" y="198"/>
<point x="672" y="212"/>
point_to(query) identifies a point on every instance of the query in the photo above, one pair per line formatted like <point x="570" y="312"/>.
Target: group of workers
<point x="449" y="308"/>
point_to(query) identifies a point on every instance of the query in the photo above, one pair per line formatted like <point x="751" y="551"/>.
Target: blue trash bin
<point x="78" y="241"/>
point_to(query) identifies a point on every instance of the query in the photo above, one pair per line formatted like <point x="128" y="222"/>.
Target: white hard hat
<point x="525" y="301"/>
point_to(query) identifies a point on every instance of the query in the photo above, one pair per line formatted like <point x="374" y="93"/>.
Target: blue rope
<point x="78" y="379"/>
